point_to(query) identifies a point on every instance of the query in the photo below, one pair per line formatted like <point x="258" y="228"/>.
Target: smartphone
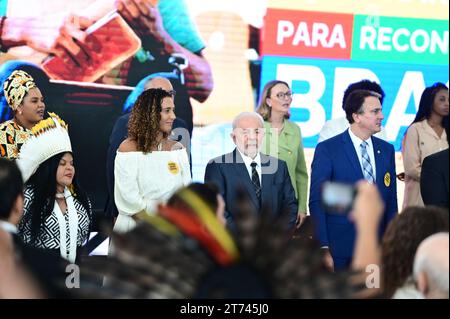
<point x="109" y="42"/>
<point x="337" y="198"/>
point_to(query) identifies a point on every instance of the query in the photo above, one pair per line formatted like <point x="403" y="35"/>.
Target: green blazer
<point x="290" y="150"/>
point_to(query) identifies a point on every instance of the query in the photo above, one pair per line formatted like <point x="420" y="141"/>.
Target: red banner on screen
<point x="307" y="34"/>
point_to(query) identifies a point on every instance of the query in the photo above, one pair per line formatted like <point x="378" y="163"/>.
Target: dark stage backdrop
<point x="91" y="112"/>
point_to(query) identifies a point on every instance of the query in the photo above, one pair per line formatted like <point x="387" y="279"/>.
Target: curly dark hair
<point x="143" y="125"/>
<point x="399" y="244"/>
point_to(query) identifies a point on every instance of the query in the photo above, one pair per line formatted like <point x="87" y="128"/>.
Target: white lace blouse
<point x="142" y="181"/>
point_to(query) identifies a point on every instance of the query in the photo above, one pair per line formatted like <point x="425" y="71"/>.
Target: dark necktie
<point x="255" y="181"/>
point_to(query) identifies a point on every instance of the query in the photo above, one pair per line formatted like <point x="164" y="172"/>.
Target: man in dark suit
<point x="46" y="269"/>
<point x="11" y="196"/>
<point x="346" y="158"/>
<point x="264" y="178"/>
<point x="120" y="132"/>
<point x="434" y="179"/>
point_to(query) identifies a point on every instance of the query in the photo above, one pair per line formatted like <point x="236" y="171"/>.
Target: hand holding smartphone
<point x="109" y="42"/>
<point x="337" y="198"/>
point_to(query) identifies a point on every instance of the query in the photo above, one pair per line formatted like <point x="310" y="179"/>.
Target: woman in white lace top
<point x="149" y="167"/>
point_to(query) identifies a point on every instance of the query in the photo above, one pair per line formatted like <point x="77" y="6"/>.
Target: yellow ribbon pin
<point x="387" y="179"/>
<point x="173" y="167"/>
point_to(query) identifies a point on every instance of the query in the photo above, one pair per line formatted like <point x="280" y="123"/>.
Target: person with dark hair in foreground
<point x="26" y="271"/>
<point x="399" y="244"/>
<point x="209" y="193"/>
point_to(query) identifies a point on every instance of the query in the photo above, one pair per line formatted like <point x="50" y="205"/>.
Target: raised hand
<point x="60" y="35"/>
<point x="143" y="17"/>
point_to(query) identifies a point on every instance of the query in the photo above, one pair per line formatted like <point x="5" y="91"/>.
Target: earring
<point x="20" y="112"/>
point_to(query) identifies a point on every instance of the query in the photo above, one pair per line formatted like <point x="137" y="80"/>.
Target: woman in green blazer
<point x="283" y="138"/>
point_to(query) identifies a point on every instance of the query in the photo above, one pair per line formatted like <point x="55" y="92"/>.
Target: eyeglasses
<point x="172" y="92"/>
<point x="283" y="95"/>
<point x="375" y="111"/>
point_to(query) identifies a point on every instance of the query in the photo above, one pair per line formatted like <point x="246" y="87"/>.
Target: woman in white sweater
<point x="149" y="167"/>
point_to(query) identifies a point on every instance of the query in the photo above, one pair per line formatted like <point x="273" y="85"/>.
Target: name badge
<point x="173" y="168"/>
<point x="387" y="179"/>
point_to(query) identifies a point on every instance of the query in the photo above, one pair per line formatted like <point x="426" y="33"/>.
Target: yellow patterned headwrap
<point x="16" y="87"/>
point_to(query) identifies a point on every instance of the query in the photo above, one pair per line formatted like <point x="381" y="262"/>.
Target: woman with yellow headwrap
<point x="27" y="103"/>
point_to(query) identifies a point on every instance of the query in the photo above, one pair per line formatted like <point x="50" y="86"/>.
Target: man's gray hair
<point x="247" y="114"/>
<point x="432" y="259"/>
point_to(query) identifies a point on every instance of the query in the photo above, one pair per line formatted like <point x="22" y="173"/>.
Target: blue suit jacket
<point x="228" y="172"/>
<point x="336" y="160"/>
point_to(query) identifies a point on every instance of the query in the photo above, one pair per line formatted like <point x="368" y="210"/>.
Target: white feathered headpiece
<point x="49" y="137"/>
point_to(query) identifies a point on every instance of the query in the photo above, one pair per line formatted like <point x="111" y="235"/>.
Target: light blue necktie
<point x="367" y="167"/>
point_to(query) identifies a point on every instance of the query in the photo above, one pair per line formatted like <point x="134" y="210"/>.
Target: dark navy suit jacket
<point x="434" y="179"/>
<point x="47" y="268"/>
<point x="336" y="160"/>
<point x="229" y="173"/>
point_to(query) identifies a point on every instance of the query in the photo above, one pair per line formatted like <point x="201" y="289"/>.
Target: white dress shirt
<point x="8" y="227"/>
<point x="248" y="161"/>
<point x="370" y="151"/>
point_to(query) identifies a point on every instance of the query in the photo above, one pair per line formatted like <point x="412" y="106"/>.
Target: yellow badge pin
<point x="173" y="167"/>
<point x="387" y="179"/>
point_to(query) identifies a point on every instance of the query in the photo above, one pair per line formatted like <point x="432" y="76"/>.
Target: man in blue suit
<point x="264" y="178"/>
<point x="346" y="158"/>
